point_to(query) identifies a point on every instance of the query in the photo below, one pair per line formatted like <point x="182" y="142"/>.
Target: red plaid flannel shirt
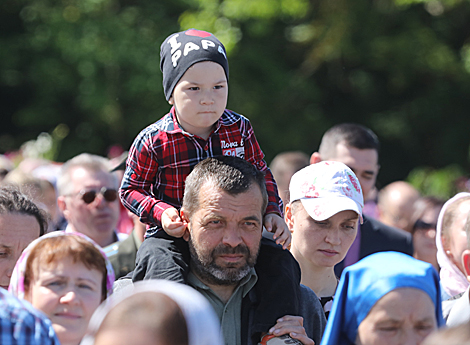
<point x="163" y="154"/>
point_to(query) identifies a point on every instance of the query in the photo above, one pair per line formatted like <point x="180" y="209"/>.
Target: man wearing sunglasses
<point x="88" y="198"/>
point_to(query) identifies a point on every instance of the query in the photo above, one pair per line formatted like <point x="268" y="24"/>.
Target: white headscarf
<point x="201" y="321"/>
<point x="453" y="281"/>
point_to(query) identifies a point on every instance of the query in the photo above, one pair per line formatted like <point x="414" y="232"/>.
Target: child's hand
<point x="274" y="223"/>
<point x="173" y="224"/>
<point x="294" y="326"/>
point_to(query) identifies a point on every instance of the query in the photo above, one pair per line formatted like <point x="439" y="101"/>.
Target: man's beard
<point x="205" y="267"/>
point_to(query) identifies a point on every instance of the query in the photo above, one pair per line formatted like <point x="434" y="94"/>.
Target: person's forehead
<point x="16" y="227"/>
<point x="399" y="301"/>
<point x="213" y="198"/>
<point x="356" y="159"/>
<point x="338" y="216"/>
<point x="83" y="178"/>
<point x="204" y="71"/>
<point x="430" y="215"/>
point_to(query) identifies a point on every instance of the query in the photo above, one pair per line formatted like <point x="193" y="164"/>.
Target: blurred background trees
<point x="87" y="73"/>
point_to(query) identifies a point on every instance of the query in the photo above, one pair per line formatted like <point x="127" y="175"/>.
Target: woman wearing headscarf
<point x="451" y="241"/>
<point x="66" y="276"/>
<point x="387" y="298"/>
<point x="155" y="312"/>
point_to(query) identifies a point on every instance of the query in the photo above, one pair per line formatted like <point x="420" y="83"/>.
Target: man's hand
<point x="294" y="326"/>
<point x="173" y="224"/>
<point x="274" y="223"/>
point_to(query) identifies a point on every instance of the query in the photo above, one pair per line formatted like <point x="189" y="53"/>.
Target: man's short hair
<point x="285" y="164"/>
<point x="354" y="135"/>
<point x="13" y="201"/>
<point x="232" y="175"/>
<point x="87" y="161"/>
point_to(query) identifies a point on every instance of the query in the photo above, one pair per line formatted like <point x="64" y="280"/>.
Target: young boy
<point x="195" y="81"/>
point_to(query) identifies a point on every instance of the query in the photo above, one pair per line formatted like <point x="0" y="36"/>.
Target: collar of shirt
<point x="169" y="123"/>
<point x="118" y="236"/>
<point x="229" y="313"/>
<point x="246" y="284"/>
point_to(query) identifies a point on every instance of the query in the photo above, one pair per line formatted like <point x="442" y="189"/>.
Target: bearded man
<point x="223" y="206"/>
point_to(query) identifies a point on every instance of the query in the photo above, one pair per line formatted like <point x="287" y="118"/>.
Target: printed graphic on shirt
<point x="233" y="149"/>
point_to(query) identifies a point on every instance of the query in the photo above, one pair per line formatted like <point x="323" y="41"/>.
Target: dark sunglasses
<point x="420" y="225"/>
<point x="89" y="196"/>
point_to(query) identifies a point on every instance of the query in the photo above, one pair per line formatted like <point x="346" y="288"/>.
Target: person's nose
<point x="431" y="233"/>
<point x="332" y="237"/>
<point x="99" y="201"/>
<point x="9" y="271"/>
<point x="207" y="97"/>
<point x="69" y="297"/>
<point x="410" y="337"/>
<point x="232" y="237"/>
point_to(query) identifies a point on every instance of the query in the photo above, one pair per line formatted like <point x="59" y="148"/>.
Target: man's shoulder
<point x="125" y="245"/>
<point x="384" y="230"/>
<point x="308" y="296"/>
<point x="312" y="312"/>
<point x="380" y="237"/>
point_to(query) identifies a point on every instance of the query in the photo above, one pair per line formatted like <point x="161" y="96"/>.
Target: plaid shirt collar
<point x="169" y="123"/>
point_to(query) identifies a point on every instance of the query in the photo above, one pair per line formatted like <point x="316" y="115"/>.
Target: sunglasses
<point x="109" y="195"/>
<point x="420" y="225"/>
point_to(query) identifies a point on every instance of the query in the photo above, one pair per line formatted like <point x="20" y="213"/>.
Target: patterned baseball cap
<point x="327" y="188"/>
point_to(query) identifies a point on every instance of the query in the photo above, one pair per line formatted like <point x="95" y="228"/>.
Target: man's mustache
<point x="223" y="249"/>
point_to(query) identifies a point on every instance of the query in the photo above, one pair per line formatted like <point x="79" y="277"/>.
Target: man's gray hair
<point x="12" y="201"/>
<point x="232" y="175"/>
<point x="91" y="163"/>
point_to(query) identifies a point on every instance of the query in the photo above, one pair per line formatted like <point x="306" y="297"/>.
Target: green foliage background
<point x="87" y="72"/>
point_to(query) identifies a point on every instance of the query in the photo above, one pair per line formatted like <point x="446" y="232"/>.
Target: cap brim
<point x="323" y="208"/>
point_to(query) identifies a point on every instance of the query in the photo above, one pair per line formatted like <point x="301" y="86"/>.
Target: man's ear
<point x="315" y="158"/>
<point x="466" y="262"/>
<point x="183" y="215"/>
<point x="63" y="206"/>
<point x="289" y="218"/>
<point x="170" y="101"/>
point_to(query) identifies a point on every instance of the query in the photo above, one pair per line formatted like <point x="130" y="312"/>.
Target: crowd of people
<point x="194" y="240"/>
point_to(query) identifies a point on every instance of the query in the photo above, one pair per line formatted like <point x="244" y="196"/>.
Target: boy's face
<point x="200" y="97"/>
